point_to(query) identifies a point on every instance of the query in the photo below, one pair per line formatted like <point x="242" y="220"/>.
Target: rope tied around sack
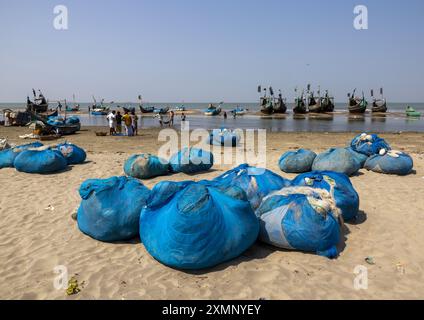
<point x="320" y="199"/>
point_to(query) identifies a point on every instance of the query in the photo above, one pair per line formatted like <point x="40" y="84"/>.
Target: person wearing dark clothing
<point x="118" y="118"/>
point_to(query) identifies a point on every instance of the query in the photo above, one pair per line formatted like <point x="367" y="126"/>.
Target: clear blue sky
<point x="194" y="50"/>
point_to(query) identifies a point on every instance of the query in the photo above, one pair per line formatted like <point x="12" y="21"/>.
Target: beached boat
<point x="100" y="111"/>
<point x="161" y="110"/>
<point x="75" y="108"/>
<point x="212" y="110"/>
<point x="39" y="104"/>
<point x="314" y="105"/>
<point x="300" y="104"/>
<point x="280" y="104"/>
<point x="146" y="109"/>
<point x="129" y="110"/>
<point x="411" y="112"/>
<point x="180" y="108"/>
<point x="239" y="111"/>
<point x="327" y="103"/>
<point x="357" y="104"/>
<point x="266" y="105"/>
<point x="60" y="128"/>
<point x="379" y="105"/>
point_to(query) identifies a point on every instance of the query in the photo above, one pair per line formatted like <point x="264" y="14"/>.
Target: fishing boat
<point x="411" y="112"/>
<point x="239" y="111"/>
<point x="378" y="105"/>
<point x="161" y="110"/>
<point x="357" y="104"/>
<point x="314" y="105"/>
<point x="99" y="111"/>
<point x="39" y="104"/>
<point x="212" y="110"/>
<point x="59" y="128"/>
<point x="266" y="102"/>
<point x="129" y="109"/>
<point x="279" y="104"/>
<point x="327" y="102"/>
<point x="74" y="108"/>
<point x="180" y="108"/>
<point x="146" y="109"/>
<point x="300" y="104"/>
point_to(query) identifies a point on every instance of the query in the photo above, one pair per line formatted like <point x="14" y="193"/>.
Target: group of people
<point x="116" y="119"/>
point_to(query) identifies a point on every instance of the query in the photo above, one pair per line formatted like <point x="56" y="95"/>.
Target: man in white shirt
<point x="111" y="117"/>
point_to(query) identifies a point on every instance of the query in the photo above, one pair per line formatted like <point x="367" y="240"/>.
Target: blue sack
<point x="369" y="144"/>
<point x="72" y="153"/>
<point x="110" y="208"/>
<point x="40" y="161"/>
<point x="359" y="157"/>
<point x="393" y="162"/>
<point x="56" y="121"/>
<point x="191" y="160"/>
<point x="224" y="137"/>
<point x="256" y="182"/>
<point x="194" y="225"/>
<point x="145" y="166"/>
<point x="339" y="186"/>
<point x="7" y="157"/>
<point x="300" y="218"/>
<point x="297" y="161"/>
<point x="338" y="160"/>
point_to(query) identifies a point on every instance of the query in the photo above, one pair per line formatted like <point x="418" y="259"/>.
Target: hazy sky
<point x="194" y="50"/>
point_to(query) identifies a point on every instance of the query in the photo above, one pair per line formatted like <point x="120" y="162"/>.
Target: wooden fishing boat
<point x="327" y="103"/>
<point x="161" y="110"/>
<point x="75" y="108"/>
<point x="279" y="104"/>
<point x="63" y="129"/>
<point x="379" y="105"/>
<point x="239" y="111"/>
<point x="146" y="109"/>
<point x="314" y="105"/>
<point x="357" y="104"/>
<point x="129" y="110"/>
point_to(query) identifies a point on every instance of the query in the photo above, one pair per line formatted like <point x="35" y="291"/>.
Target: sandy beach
<point x="38" y="234"/>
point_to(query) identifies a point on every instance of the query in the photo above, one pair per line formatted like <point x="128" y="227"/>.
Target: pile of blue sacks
<point x="60" y="121"/>
<point x="36" y="158"/>
<point x="191" y="160"/>
<point x="8" y="156"/>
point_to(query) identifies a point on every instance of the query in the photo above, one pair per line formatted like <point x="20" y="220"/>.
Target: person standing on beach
<point x="118" y="122"/>
<point x="112" y="122"/>
<point x="128" y="124"/>
<point x="183" y="117"/>
<point x="134" y="120"/>
<point x="225" y="114"/>
<point x="171" y="119"/>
